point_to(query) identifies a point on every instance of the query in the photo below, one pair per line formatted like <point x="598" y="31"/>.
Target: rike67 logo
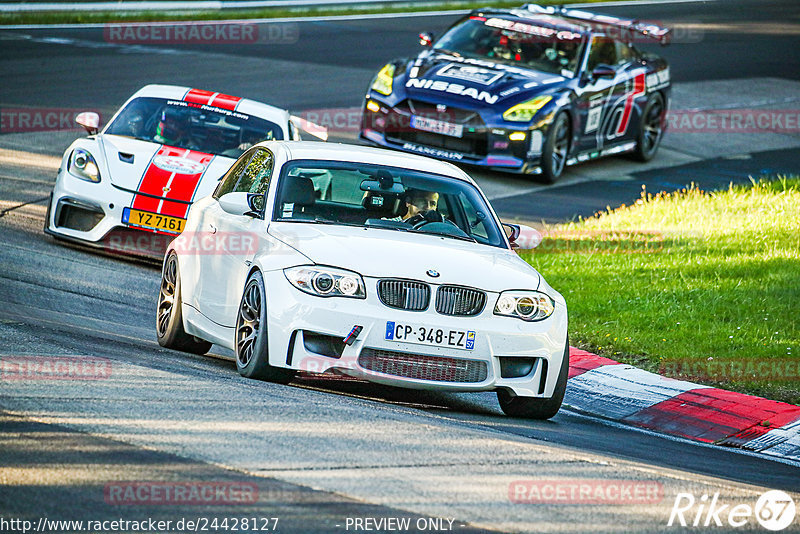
<point x="774" y="510"/>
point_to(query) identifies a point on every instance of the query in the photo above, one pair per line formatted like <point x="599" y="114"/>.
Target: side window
<point x="255" y="178"/>
<point x="625" y="54"/>
<point x="228" y="182"/>
<point x="603" y="51"/>
<point x="476" y="222"/>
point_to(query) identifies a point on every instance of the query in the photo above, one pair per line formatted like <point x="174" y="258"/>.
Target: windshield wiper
<point x="459" y="237"/>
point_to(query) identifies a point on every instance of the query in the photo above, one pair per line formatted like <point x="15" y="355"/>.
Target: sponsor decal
<point x="435" y="152"/>
<point x="471" y="73"/>
<point x="657" y="80"/>
<point x="488" y="64"/>
<point x="536" y="31"/>
<point x="177" y="165"/>
<point x="452" y="88"/>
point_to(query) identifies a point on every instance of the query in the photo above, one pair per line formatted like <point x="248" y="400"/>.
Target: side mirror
<point x="522" y="237"/>
<point x="249" y="204"/>
<point x="426" y="39"/>
<point x="90" y="121"/>
<point x="603" y="71"/>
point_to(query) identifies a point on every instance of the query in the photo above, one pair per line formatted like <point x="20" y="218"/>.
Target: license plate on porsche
<point x="436" y="126"/>
<point x="428" y="335"/>
<point x="156" y="221"/>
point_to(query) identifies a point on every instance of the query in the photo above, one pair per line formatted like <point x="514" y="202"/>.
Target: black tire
<point x="169" y="315"/>
<point x="556" y="149"/>
<point x="251" y="346"/>
<point x="534" y="407"/>
<point x="651" y="129"/>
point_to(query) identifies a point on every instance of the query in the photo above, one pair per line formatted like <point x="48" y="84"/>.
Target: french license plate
<point x="427" y="335"/>
<point x="436" y="126"/>
<point x="157" y="221"/>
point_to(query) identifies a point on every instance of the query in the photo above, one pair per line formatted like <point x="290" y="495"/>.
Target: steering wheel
<point x="424" y="217"/>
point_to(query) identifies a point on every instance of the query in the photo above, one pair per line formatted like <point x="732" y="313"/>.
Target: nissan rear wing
<point x="622" y="26"/>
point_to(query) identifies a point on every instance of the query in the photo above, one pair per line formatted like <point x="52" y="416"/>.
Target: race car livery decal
<point x="637" y="91"/>
<point x="453" y="88"/>
<point x="487" y="64"/>
<point x="470" y="73"/>
<point x="658" y="80"/>
<point x="173" y="174"/>
<point x="198" y="96"/>
<point x="446" y="154"/>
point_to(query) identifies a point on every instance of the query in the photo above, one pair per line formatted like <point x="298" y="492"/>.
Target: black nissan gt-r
<point x="528" y="90"/>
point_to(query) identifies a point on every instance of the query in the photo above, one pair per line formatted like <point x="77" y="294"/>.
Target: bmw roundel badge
<point x="432" y="273"/>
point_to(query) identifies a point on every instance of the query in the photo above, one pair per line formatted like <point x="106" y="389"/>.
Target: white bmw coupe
<point x="128" y="188"/>
<point x="389" y="267"/>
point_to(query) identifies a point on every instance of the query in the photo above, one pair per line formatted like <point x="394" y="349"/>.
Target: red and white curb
<point x="628" y="395"/>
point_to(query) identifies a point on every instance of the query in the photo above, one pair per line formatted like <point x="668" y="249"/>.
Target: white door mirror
<point x="90" y="121"/>
<point x="242" y="204"/>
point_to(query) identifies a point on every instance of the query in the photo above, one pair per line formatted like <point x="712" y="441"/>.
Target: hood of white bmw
<point x="382" y="253"/>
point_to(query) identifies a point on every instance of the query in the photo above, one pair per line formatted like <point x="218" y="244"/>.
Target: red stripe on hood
<point x="180" y="185"/>
<point x="198" y="96"/>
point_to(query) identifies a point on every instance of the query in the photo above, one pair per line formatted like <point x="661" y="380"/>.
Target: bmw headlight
<point x="525" y="111"/>
<point x="526" y="305"/>
<point x="326" y="281"/>
<point x="383" y="81"/>
<point x="82" y="165"/>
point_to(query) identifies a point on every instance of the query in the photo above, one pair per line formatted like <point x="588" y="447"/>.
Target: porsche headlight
<point x="326" y="281"/>
<point x="82" y="165"/>
<point x="525" y="111"/>
<point x="383" y="81"/>
<point x="525" y="305"/>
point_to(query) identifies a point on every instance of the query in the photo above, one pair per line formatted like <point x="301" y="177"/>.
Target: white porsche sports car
<point x="129" y="187"/>
<point x="380" y="265"/>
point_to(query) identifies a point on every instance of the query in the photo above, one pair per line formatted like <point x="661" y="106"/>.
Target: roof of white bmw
<point x="318" y="150"/>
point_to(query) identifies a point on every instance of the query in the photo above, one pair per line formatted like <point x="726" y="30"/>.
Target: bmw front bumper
<point x="306" y="333"/>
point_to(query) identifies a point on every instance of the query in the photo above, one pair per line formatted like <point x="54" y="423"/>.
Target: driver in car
<point x="418" y="201"/>
<point x="173" y="130"/>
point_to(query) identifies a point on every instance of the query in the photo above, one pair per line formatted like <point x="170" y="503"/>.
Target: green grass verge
<point x="686" y="277"/>
<point x="74" y="17"/>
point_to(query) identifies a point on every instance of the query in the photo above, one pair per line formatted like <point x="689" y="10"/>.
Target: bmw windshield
<point x="197" y="127"/>
<point x="511" y="42"/>
<point x="389" y="198"/>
